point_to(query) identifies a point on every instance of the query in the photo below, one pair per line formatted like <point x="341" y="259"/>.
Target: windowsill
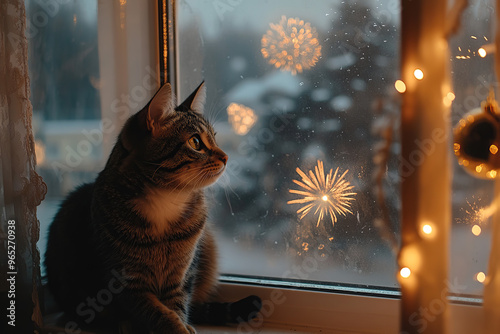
<point x="289" y="310"/>
<point x="226" y="330"/>
<point x="264" y="329"/>
<point x="353" y="310"/>
<point x="267" y="330"/>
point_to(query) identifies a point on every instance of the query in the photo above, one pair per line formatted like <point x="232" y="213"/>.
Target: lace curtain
<point x="21" y="188"/>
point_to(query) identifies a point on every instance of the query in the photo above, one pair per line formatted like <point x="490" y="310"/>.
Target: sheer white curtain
<point x="21" y="188"/>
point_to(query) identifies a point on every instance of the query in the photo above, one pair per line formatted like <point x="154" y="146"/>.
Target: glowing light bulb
<point x="405" y="272"/>
<point x="446" y="102"/>
<point x="418" y="74"/>
<point x="450" y="96"/>
<point x="480" y="277"/>
<point x="476" y="230"/>
<point x="400" y="86"/>
<point x="427" y="229"/>
<point x="324" y="198"/>
<point x="482" y="52"/>
<point x="493" y="149"/>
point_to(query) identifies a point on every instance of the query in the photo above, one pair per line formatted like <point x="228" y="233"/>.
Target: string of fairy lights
<point x="476" y="214"/>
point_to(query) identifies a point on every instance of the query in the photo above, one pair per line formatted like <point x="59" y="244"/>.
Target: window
<point x="92" y="66"/>
<point x="286" y="119"/>
<point x="64" y="73"/>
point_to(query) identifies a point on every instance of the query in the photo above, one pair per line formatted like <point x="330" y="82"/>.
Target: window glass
<point x="303" y="99"/>
<point x="473" y="75"/>
<point x="64" y="75"/>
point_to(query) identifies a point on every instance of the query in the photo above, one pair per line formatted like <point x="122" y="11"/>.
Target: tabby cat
<point x="135" y="243"/>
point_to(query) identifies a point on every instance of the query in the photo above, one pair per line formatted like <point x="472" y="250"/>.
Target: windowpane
<point x="472" y="197"/>
<point x="292" y="85"/>
<point x="64" y="74"/>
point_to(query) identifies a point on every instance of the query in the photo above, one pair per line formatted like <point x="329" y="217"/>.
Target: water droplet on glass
<point x="301" y="83"/>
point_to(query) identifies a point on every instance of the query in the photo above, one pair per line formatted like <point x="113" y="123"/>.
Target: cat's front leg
<point x="178" y="300"/>
<point x="148" y="310"/>
<point x="191" y="329"/>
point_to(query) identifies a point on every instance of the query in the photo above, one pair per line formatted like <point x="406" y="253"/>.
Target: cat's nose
<point x="224" y="158"/>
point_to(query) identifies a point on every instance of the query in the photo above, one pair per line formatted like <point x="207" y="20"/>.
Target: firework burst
<point x="328" y="194"/>
<point x="291" y="45"/>
<point x="242" y="118"/>
<point x="476" y="213"/>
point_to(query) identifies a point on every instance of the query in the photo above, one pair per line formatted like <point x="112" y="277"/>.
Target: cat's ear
<point x="162" y="104"/>
<point x="195" y="101"/>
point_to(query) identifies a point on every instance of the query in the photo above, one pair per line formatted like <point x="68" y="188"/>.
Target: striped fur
<point x="145" y="218"/>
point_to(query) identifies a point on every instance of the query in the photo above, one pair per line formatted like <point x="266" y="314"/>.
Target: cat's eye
<point x="195" y="142"/>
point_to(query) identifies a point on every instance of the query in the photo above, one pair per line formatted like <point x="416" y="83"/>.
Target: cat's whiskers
<point x="214" y="118"/>
<point x="230" y="187"/>
<point x="197" y="176"/>
<point x="226" y="186"/>
<point x="176" y="178"/>
<point x="191" y="179"/>
<point x="229" y="201"/>
<point x="210" y="115"/>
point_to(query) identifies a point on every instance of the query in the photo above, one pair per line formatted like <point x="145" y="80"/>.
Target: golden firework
<point x="242" y="118"/>
<point x="291" y="45"/>
<point x="477" y="214"/>
<point x="329" y="194"/>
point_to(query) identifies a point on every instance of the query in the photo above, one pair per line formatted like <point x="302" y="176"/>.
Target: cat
<point x="135" y="245"/>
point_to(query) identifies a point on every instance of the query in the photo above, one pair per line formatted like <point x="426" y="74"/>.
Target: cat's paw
<point x="190" y="329"/>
